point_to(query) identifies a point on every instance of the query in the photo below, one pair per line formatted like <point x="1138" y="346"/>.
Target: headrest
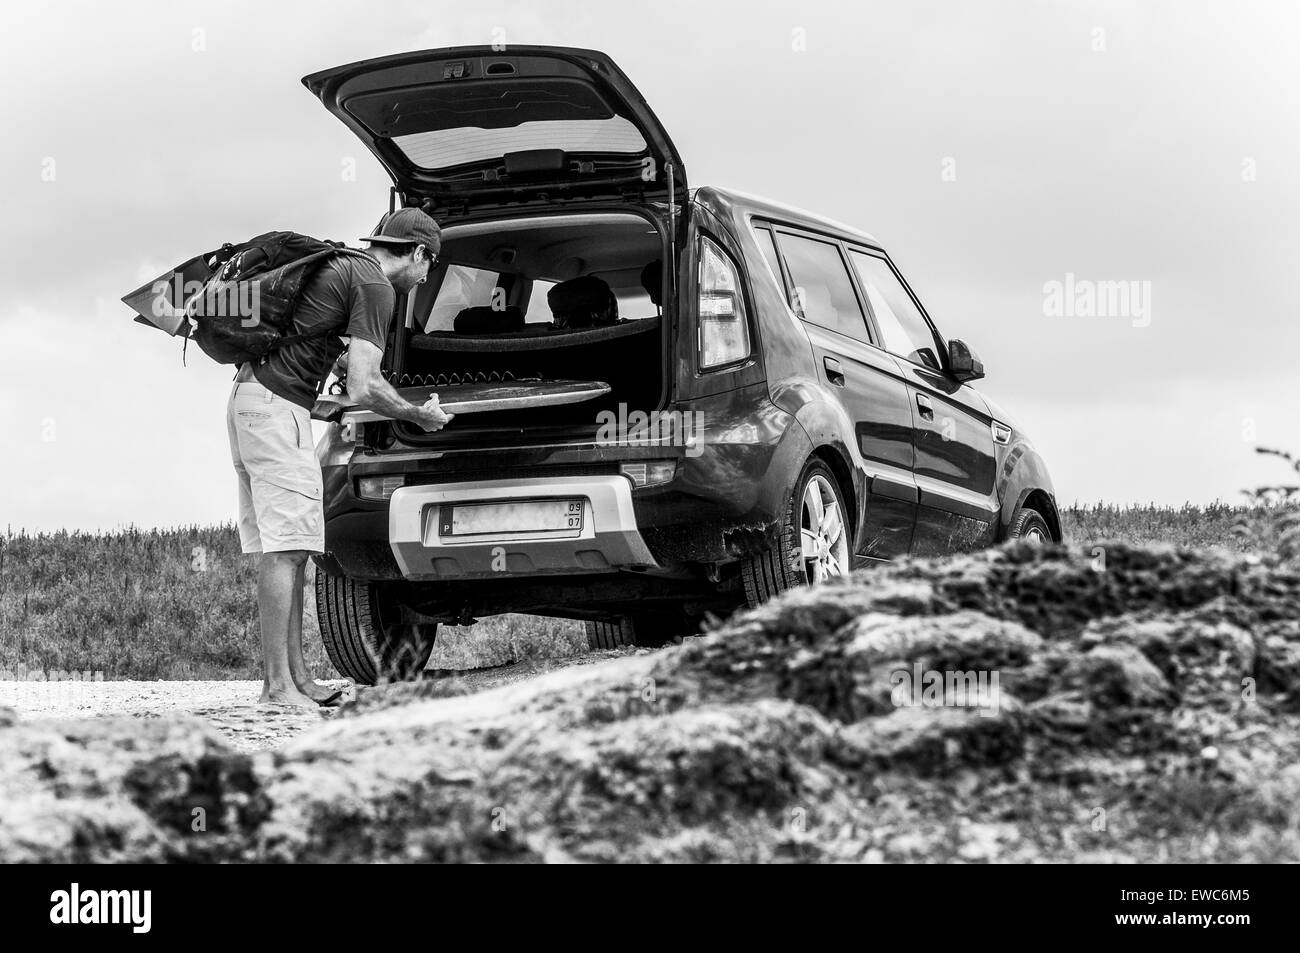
<point x="585" y="302"/>
<point x="486" y="320"/>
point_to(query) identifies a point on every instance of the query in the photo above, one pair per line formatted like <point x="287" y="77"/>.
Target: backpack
<point x="244" y="310"/>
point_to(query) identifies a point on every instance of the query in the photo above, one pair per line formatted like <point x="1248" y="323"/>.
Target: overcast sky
<point x="993" y="147"/>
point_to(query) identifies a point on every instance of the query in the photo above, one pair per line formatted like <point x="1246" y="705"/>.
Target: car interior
<point x="538" y="299"/>
<point x="512" y="267"/>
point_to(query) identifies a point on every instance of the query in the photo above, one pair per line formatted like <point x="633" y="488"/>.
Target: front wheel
<point x="815" y="542"/>
<point x="363" y="633"/>
<point x="1029" y="524"/>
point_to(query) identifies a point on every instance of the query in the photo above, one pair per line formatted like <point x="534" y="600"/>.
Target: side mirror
<point x="962" y="362"/>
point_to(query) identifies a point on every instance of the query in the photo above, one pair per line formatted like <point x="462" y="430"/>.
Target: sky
<point x="1004" y="152"/>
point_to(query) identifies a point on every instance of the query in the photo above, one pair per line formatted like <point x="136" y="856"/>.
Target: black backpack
<point x="245" y="309"/>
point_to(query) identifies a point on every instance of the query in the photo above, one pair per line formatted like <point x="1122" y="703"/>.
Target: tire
<point x="647" y="629"/>
<point x="359" y="641"/>
<point x="1029" y="524"/>
<point x="787" y="566"/>
<point x="613" y="634"/>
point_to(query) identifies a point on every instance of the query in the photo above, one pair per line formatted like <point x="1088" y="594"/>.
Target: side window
<point x="904" y="328"/>
<point x="823" y="291"/>
<point x="767" y="245"/>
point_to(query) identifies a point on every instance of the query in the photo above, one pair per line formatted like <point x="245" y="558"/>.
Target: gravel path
<point x="231" y="707"/>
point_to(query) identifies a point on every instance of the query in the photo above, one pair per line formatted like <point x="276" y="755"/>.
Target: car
<point x="746" y="398"/>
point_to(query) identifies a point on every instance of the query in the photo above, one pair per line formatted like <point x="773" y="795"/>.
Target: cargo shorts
<point x="279" y="479"/>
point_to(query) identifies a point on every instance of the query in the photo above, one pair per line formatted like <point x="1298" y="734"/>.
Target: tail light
<point x="380" y="487"/>
<point x="724" y="328"/>
<point x="649" y="472"/>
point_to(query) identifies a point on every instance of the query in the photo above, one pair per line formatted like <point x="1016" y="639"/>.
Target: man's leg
<point x="297" y="666"/>
<point x="278" y="577"/>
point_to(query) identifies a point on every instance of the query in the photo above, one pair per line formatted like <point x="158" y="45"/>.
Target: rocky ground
<point x="1146" y="708"/>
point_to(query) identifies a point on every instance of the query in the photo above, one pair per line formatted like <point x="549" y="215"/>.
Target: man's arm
<point x="366" y="385"/>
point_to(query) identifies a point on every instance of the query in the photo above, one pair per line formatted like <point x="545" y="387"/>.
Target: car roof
<point x="734" y="200"/>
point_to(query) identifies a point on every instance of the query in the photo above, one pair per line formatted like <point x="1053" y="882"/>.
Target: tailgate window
<point x="444" y="148"/>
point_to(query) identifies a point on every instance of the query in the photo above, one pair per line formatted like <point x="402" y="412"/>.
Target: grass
<point x="1198" y="527"/>
<point x="179" y="603"/>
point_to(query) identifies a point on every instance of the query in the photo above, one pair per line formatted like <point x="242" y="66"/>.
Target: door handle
<point x="925" y="407"/>
<point x="834" y="373"/>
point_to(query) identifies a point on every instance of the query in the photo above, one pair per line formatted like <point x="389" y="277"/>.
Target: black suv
<point x="672" y="400"/>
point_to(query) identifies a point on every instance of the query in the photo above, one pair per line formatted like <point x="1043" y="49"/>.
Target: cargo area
<point x="534" y="301"/>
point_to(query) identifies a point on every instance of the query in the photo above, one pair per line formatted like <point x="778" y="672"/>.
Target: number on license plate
<point x="511" y="516"/>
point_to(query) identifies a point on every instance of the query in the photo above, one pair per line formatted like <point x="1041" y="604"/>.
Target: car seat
<point x="487" y="320"/>
<point x="585" y="302"/>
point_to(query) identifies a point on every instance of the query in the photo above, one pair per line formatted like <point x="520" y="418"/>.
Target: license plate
<point x="512" y="516"/>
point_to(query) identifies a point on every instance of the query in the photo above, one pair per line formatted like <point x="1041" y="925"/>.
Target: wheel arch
<point x="842" y="470"/>
<point x="1023" y="478"/>
<point x="1038" y="499"/>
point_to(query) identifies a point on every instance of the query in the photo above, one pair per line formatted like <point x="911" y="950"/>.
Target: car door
<point x="862" y="379"/>
<point x="466" y="129"/>
<point x="955" y="463"/>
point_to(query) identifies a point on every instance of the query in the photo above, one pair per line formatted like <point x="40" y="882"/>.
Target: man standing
<point x="281" y="514"/>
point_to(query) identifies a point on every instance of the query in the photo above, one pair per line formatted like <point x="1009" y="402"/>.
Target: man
<point x="269" y="421"/>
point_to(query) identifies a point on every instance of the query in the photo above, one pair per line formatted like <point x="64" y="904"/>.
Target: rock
<point x="1115" y="675"/>
<point x="784" y="735"/>
<point x="1194" y="651"/>
<point x="932" y="740"/>
<point x="1278" y="662"/>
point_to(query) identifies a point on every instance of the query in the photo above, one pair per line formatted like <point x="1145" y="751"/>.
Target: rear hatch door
<point x="466" y="129"/>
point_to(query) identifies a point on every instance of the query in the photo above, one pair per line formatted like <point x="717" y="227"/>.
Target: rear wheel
<point x="641" y="628"/>
<point x="1030" y="525"/>
<point x="815" y="543"/>
<point x="363" y="634"/>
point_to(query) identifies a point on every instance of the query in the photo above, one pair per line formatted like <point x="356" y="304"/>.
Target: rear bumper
<point x="724" y="502"/>
<point x="609" y="540"/>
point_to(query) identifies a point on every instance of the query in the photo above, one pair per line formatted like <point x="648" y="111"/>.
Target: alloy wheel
<point x="824" y="544"/>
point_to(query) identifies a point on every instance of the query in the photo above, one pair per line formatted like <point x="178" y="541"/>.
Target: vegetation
<point x="179" y="603"/>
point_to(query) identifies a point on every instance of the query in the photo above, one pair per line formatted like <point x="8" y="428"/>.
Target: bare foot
<point x="318" y="692"/>
<point x="287" y="696"/>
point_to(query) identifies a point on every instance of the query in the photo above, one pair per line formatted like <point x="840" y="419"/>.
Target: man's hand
<point x="433" y="417"/>
<point x="366" y="386"/>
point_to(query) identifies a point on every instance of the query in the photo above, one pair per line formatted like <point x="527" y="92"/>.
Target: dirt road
<point x="230" y="706"/>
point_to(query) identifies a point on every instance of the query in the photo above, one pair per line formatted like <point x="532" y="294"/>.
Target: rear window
<point x="441" y="148"/>
<point x="539" y="312"/>
<point x="633" y="303"/>
<point x="464" y="287"/>
<point x="823" y="291"/>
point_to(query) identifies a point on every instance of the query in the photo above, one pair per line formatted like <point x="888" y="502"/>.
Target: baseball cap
<point x="407" y="226"/>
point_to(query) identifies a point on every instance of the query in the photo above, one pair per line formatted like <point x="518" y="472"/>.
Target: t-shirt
<point x="349" y="293"/>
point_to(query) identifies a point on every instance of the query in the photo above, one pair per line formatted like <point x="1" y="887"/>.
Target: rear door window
<point x="823" y="291"/>
<point x="902" y="325"/>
